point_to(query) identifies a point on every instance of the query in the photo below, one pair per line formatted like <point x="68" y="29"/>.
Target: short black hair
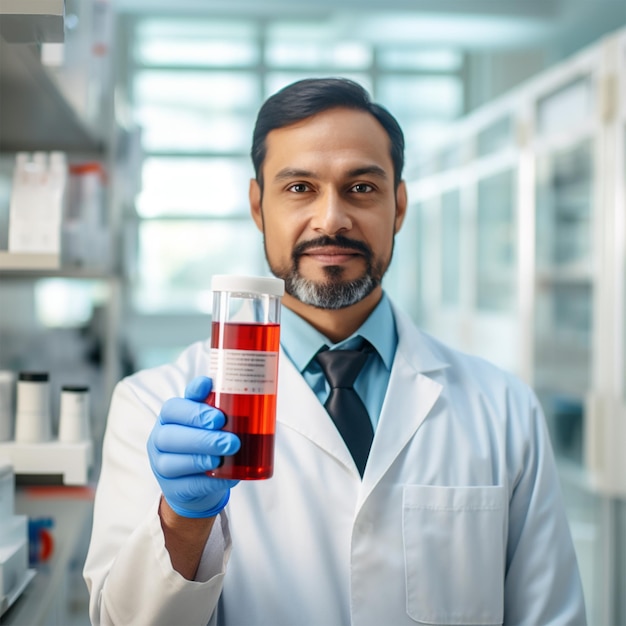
<point x="310" y="96"/>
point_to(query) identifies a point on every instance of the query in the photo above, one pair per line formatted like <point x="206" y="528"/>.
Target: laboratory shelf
<point x="38" y="116"/>
<point x="28" y="261"/>
<point x="25" y="21"/>
<point x="70" y="461"/>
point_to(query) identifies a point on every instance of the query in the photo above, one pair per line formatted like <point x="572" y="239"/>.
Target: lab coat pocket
<point x="454" y="552"/>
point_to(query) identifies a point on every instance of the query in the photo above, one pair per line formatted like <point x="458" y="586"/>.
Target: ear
<point x="254" y="196"/>
<point x="401" y="205"/>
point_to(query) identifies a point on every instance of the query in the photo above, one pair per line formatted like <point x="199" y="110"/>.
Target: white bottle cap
<point x="249" y="284"/>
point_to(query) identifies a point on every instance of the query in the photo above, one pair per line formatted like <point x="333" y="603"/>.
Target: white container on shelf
<point x="36" y="206"/>
<point x="74" y="414"/>
<point x="85" y="234"/>
<point x="32" y="415"/>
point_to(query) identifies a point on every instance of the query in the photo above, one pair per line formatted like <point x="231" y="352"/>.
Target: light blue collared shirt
<point x="301" y="342"/>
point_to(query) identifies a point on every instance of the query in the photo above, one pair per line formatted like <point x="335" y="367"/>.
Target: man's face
<point x="329" y="210"/>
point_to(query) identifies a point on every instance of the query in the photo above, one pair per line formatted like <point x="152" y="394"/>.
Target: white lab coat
<point x="458" y="518"/>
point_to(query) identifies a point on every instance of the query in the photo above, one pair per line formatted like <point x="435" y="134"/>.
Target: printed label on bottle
<point x="245" y="372"/>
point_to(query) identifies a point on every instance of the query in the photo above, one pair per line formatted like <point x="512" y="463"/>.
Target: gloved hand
<point x="185" y="442"/>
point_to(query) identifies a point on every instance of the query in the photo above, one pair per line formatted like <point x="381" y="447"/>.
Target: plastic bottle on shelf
<point x="74" y="414"/>
<point x="36" y="206"/>
<point x="32" y="414"/>
<point x="85" y="236"/>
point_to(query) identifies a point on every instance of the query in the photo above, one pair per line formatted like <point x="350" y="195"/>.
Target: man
<point x="452" y="517"/>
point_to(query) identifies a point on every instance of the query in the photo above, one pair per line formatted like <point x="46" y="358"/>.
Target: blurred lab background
<point x="514" y="248"/>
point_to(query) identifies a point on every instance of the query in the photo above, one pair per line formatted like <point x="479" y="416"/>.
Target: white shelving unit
<point x="44" y="109"/>
<point x="540" y="269"/>
<point x="51" y="108"/>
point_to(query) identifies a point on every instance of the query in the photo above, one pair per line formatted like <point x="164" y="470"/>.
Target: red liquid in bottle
<point x="251" y="416"/>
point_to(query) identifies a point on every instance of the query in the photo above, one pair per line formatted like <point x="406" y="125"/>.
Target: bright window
<point x="184" y="42"/>
<point x="342" y="54"/>
<point x="178" y="258"/>
<point x="208" y="92"/>
<point x="171" y="127"/>
<point x="67" y="303"/>
<point x="423" y="96"/>
<point x="419" y="58"/>
<point x="203" y="187"/>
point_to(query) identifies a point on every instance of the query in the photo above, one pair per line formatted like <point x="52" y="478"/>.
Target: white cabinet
<point x="524" y="243"/>
<point x="535" y="204"/>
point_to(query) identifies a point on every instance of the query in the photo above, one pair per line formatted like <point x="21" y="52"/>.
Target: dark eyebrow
<point x="289" y="173"/>
<point x="374" y="170"/>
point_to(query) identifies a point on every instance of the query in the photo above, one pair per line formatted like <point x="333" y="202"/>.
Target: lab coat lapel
<point x="299" y="409"/>
<point x="410" y="396"/>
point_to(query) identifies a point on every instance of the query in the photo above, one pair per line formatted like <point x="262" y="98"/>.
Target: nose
<point x="330" y="215"/>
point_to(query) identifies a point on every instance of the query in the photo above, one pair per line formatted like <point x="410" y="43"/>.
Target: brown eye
<point x="362" y="188"/>
<point x="299" y="188"/>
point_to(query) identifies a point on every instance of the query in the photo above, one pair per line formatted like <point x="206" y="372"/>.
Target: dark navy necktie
<point x="341" y="367"/>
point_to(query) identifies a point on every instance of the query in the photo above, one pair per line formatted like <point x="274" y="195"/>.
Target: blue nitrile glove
<point x="185" y="442"/>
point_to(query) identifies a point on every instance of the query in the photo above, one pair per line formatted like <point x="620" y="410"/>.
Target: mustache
<point x="339" y="241"/>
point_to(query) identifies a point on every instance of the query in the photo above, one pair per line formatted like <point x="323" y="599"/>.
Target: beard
<point x="334" y="292"/>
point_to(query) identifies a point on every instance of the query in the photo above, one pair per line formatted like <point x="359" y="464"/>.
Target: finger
<point x="191" y="413"/>
<point x="172" y="466"/>
<point x="198" y="388"/>
<point x="178" y="439"/>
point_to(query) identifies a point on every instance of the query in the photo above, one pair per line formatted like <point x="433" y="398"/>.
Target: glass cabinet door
<point x="495" y="244"/>
<point x="564" y="292"/>
<point x="450" y="249"/>
<point x="564" y="199"/>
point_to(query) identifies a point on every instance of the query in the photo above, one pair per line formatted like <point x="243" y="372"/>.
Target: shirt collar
<point x="302" y="342"/>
